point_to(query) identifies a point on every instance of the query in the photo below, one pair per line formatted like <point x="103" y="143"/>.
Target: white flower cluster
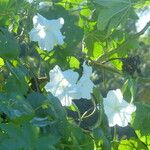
<point x="65" y="84"/>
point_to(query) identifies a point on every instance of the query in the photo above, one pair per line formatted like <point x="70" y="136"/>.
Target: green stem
<point x="115" y="134"/>
<point x="86" y="115"/>
<point x="110" y="69"/>
<point x="78" y="111"/>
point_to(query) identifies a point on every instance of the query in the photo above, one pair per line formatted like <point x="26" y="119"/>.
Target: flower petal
<point x="85" y="85"/>
<point x="120" y="119"/>
<point x="33" y="35"/>
<point x="39" y="20"/>
<point x="71" y="76"/>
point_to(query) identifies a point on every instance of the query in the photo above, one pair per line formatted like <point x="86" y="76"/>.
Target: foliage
<point x="99" y="33"/>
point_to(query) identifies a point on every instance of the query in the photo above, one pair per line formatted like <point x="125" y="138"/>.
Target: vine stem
<point x="115" y="134"/>
<point x="79" y="114"/>
<point x="84" y="116"/>
<point x="113" y="70"/>
<point x="110" y="69"/>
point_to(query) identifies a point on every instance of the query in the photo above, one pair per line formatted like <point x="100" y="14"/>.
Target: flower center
<point x="47" y="28"/>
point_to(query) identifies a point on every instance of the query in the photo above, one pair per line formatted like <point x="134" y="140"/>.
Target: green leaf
<point x="26" y="137"/>
<point x="9" y="48"/>
<point x="16" y="83"/>
<point x="130" y="45"/>
<point x="141" y="3"/>
<point x="15" y="106"/>
<point x="49" y="107"/>
<point x="11" y="130"/>
<point x="41" y="105"/>
<point x="97" y="50"/>
<point x="109" y="3"/>
<point x="144" y="139"/>
<point x="117" y="8"/>
<point x="73" y="62"/>
<point x="7" y="9"/>
<point x="59" y="113"/>
<point x="94" y="47"/>
<point x="123" y="49"/>
<point x="46" y="143"/>
<point x="129" y="89"/>
<point x="101" y="139"/>
<point x="142" y="118"/>
<point x="97" y="95"/>
<point x="5" y="5"/>
<point x="58" y="109"/>
<point x="14" y="136"/>
<point x="80" y="140"/>
<point x="9" y="144"/>
<point x="1" y="62"/>
<point x="132" y="144"/>
<point x="36" y="99"/>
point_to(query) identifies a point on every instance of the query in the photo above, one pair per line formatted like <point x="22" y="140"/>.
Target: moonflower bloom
<point x="47" y="32"/>
<point x="85" y="85"/>
<point x="117" y="110"/>
<point x="63" y="85"/>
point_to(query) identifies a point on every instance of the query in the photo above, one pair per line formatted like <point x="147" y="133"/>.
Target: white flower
<point x="117" y="110"/>
<point x="85" y="85"/>
<point x="63" y="85"/>
<point x="47" y="32"/>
